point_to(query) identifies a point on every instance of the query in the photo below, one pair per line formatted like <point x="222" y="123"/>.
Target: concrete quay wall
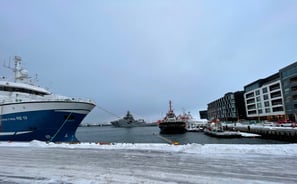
<point x="269" y="132"/>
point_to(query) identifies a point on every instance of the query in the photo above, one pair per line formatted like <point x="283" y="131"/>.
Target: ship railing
<point x="5" y="100"/>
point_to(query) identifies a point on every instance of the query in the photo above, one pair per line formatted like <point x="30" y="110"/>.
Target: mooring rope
<point x="107" y="111"/>
<point x="58" y="131"/>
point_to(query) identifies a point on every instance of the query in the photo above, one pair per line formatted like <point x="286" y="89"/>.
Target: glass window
<point x="294" y="88"/>
<point x="249" y="95"/>
<point x="274" y="87"/>
<point x="287" y="91"/>
<point x="288" y="99"/>
<point x="251" y="101"/>
<point x="266" y="104"/>
<point x="264" y="90"/>
<point x="277" y="109"/>
<point x="257" y="92"/>
<point x="265" y="97"/>
<point x="258" y="99"/>
<point x="252" y="112"/>
<point x="251" y="106"/>
<point x="294" y="79"/>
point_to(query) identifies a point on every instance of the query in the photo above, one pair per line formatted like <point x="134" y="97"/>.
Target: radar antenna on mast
<point x="20" y="74"/>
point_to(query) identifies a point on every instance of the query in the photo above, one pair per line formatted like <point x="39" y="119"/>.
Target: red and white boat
<point x="171" y="123"/>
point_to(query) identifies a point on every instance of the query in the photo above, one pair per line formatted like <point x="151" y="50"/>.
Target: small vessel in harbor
<point x="215" y="129"/>
<point x="171" y="123"/>
<point x="221" y="133"/>
<point x="128" y="121"/>
<point x="29" y="112"/>
<point x="192" y="125"/>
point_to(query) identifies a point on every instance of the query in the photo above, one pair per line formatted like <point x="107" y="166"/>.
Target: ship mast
<point x="19" y="73"/>
<point x="170" y="106"/>
<point x="170" y="113"/>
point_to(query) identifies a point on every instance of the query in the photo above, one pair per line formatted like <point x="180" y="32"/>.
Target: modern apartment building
<point x="228" y="108"/>
<point x="288" y="77"/>
<point x="272" y="98"/>
<point x="264" y="99"/>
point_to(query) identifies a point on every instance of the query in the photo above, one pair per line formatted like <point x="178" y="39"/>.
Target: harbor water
<point x="151" y="134"/>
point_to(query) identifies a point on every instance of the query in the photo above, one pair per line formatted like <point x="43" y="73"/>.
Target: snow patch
<point x="271" y="149"/>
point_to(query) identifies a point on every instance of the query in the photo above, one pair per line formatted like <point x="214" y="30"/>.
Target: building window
<point x="251" y="106"/>
<point x="288" y="99"/>
<point x="264" y="90"/>
<point x="252" y="112"/>
<point x="260" y="111"/>
<point x="277" y="102"/>
<point x="257" y="92"/>
<point x="258" y="98"/>
<point x="290" y="71"/>
<point x="294" y="79"/>
<point x="277" y="109"/>
<point x="249" y="95"/>
<point x="265" y="97"/>
<point x="275" y="94"/>
<point x="294" y="88"/>
<point x="287" y="91"/>
<point x="250" y="101"/>
<point x="274" y="87"/>
<point x="259" y="105"/>
<point x="267" y="110"/>
<point x="266" y="104"/>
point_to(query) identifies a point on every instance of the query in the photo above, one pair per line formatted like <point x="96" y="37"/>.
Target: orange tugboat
<point x="172" y="124"/>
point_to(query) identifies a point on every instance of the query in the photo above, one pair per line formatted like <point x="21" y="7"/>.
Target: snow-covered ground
<point x="39" y="162"/>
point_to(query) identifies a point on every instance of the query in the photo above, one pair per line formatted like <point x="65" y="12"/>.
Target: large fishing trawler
<point x="29" y="112"/>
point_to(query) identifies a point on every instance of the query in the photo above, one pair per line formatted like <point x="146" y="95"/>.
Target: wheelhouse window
<point x="22" y="90"/>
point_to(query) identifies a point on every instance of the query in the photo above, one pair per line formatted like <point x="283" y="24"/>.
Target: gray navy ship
<point x="128" y="121"/>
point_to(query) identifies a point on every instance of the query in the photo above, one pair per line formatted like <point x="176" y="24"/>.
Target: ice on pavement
<point x="40" y="162"/>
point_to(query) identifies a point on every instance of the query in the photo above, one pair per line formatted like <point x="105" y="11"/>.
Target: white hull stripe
<point x="25" y="107"/>
<point x="14" y="133"/>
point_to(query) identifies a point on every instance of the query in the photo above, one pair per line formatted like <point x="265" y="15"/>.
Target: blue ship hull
<point x="54" y="125"/>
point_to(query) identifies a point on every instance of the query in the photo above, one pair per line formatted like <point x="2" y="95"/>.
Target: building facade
<point x="264" y="99"/>
<point x="203" y="114"/>
<point x="228" y="108"/>
<point x="288" y="76"/>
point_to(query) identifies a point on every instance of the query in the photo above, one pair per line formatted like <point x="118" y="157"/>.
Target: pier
<point x="269" y="132"/>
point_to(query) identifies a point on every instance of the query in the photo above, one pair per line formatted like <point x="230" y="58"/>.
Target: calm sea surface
<point x="110" y="134"/>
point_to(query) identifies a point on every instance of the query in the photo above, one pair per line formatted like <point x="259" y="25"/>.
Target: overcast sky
<point x="138" y="54"/>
